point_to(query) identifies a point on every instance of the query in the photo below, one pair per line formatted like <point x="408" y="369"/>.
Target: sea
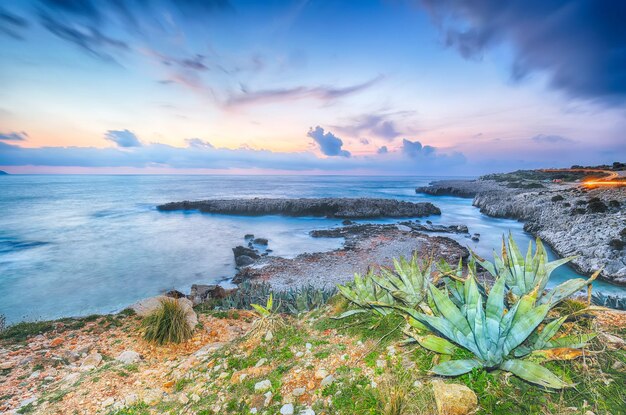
<point x="74" y="245"/>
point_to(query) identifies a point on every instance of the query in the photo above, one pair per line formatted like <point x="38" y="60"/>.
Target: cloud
<point x="14" y="136"/>
<point x="551" y="139"/>
<point x="12" y="25"/>
<point x="198" y="143"/>
<point x="123" y="138"/>
<point x="212" y="158"/>
<point x="382" y="150"/>
<point x="321" y="93"/>
<point x="330" y="145"/>
<point x="579" y="44"/>
<point x="414" y="149"/>
<point x="378" y="125"/>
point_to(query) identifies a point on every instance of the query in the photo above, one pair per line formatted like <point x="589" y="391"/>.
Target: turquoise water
<point x="76" y="245"/>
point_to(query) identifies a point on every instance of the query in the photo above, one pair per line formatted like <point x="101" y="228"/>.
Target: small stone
<point x="321" y="373"/>
<point x="34" y="375"/>
<point x="28" y="401"/>
<point x="108" y="402"/>
<point x="91" y="362"/>
<point x="327" y="381"/>
<point x="380" y="363"/>
<point x="287" y="409"/>
<point x="131" y="399"/>
<point x="56" y="342"/>
<point x="268" y="398"/>
<point x="183" y="399"/>
<point x="298" y="392"/>
<point x="195" y="397"/>
<point x="253" y="411"/>
<point x="269" y="336"/>
<point x="263" y="386"/>
<point x="299" y="354"/>
<point x="7" y="365"/>
<point x="453" y="399"/>
<point x="261" y="362"/>
<point x="589" y="413"/>
<point x="307" y="411"/>
<point x="308" y="346"/>
<point x="152" y="396"/>
<point x="128" y="357"/>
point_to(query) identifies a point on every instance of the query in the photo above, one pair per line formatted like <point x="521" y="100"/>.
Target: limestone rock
<point x="128" y="357"/>
<point x="91" y="362"/>
<point x="453" y="398"/>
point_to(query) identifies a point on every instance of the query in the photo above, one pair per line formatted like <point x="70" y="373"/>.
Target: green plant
<point x="167" y="324"/>
<point x="292" y="301"/>
<point x="367" y="295"/>
<point x="611" y="301"/>
<point x="3" y="323"/>
<point x="523" y="275"/>
<point x="269" y="320"/>
<point x="491" y="332"/>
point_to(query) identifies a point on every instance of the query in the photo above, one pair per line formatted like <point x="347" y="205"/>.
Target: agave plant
<point x="269" y="320"/>
<point x="611" y="301"/>
<point x="408" y="283"/>
<point x="523" y="275"/>
<point x="488" y="330"/>
<point x="366" y="295"/>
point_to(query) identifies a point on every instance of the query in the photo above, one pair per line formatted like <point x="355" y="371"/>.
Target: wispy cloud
<point x="123" y="138"/>
<point x="551" y="139"/>
<point x="14" y="136"/>
<point x="12" y="25"/>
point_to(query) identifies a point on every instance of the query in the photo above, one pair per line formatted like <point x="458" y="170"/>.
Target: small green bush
<point x="167" y="324"/>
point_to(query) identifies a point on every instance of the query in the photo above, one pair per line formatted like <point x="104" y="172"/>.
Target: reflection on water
<point x="74" y="245"/>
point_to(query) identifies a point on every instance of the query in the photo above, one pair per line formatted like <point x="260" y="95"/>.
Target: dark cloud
<point x="322" y="93"/>
<point x="123" y="138"/>
<point x="330" y="145"/>
<point x="12" y="25"/>
<point x="551" y="139"/>
<point x="579" y="44"/>
<point x="382" y="150"/>
<point x="414" y="149"/>
<point x="14" y="136"/>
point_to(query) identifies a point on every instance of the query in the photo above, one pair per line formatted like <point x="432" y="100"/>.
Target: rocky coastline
<point x="343" y="208"/>
<point x="573" y="220"/>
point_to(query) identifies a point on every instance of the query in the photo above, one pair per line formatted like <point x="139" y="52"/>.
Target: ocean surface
<point x="77" y="245"/>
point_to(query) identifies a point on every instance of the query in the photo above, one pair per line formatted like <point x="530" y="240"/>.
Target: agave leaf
<point x="450" y="311"/>
<point x="456" y="367"/>
<point x="435" y="344"/>
<point x="548" y="332"/>
<point x="484" y="263"/>
<point x="558" y="353"/>
<point x="523" y="325"/>
<point x="263" y="312"/>
<point x="572" y="341"/>
<point x="567" y="288"/>
<point x="350" y="313"/>
<point x="534" y="373"/>
<point x="495" y="310"/>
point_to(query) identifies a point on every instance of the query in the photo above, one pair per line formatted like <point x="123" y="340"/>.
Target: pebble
<point x="321" y="373"/>
<point x="263" y="386"/>
<point x="327" y="381"/>
<point x="108" y="402"/>
<point x="287" y="409"/>
<point x="299" y="354"/>
<point x="183" y="399"/>
<point x="91" y="362"/>
<point x="269" y="336"/>
<point x="261" y="362"/>
<point x="308" y="346"/>
<point x="128" y="357"/>
<point x="298" y="392"/>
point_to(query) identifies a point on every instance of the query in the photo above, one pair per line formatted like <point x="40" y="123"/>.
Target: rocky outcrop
<point x="366" y="246"/>
<point x="589" y="223"/>
<point x="460" y="188"/>
<point x="330" y="207"/>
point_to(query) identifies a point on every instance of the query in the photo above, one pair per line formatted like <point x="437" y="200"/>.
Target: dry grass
<point x="398" y="394"/>
<point x="168" y="324"/>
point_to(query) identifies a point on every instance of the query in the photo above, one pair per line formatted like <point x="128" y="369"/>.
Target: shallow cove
<point x="76" y="245"/>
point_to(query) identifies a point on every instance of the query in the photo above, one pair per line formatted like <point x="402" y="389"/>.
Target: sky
<point x="423" y="87"/>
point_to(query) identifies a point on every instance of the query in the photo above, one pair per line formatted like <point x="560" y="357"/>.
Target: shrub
<point x="167" y="324"/>
<point x="557" y="198"/>
<point x="596" y="206"/>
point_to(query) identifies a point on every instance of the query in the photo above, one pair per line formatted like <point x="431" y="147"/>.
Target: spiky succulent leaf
<point x="456" y="367"/>
<point x="534" y="373"/>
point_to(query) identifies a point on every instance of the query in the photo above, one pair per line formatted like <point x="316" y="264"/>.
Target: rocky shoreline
<point x="573" y="220"/>
<point x="343" y="208"/>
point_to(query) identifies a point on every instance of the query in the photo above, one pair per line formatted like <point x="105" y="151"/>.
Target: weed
<point x="167" y="324"/>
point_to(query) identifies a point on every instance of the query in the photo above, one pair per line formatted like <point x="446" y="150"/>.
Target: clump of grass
<point x="269" y="320"/>
<point x="396" y="395"/>
<point x="167" y="324"/>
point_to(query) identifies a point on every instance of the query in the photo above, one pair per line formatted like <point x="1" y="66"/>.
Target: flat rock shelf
<point x="344" y="208"/>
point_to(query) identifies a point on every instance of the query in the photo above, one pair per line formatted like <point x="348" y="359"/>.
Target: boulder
<point x="201" y="293"/>
<point x="242" y="250"/>
<point x="453" y="398"/>
<point x="260" y="241"/>
<point x="243" y="261"/>
<point x="91" y="362"/>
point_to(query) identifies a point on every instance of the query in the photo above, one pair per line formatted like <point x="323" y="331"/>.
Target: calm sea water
<point x="76" y="245"/>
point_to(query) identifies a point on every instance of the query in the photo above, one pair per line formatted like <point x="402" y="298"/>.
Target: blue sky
<point x="368" y="87"/>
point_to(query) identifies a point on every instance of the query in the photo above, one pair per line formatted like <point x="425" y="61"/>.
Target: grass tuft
<point x="167" y="324"/>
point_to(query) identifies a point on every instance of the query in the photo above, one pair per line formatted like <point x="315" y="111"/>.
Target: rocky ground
<point x="310" y="364"/>
<point x="574" y="220"/>
<point x="330" y="207"/>
<point x="366" y="246"/>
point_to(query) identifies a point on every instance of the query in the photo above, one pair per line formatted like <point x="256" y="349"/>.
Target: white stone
<point x="108" y="402"/>
<point x="91" y="362"/>
<point x="183" y="399"/>
<point x="308" y="346"/>
<point x="328" y="380"/>
<point x="286" y="409"/>
<point x="299" y="354"/>
<point x="321" y="373"/>
<point x="269" y="336"/>
<point x="128" y="357"/>
<point x="261" y="362"/>
<point x="298" y="392"/>
<point x="263" y="386"/>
